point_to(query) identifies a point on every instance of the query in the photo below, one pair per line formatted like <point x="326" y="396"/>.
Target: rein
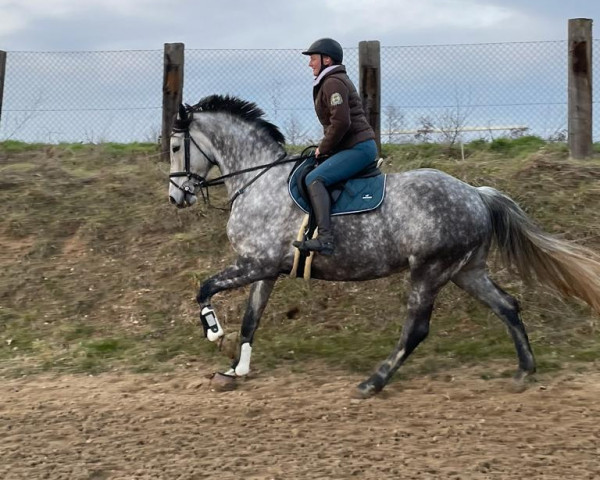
<point x="199" y="183"/>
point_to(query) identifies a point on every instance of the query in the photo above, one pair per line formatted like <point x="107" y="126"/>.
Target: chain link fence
<point x="482" y="90"/>
<point x="88" y="97"/>
<point x="428" y="93"/>
<point x="278" y="81"/>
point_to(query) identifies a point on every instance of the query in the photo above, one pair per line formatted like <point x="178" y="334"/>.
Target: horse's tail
<point x="571" y="269"/>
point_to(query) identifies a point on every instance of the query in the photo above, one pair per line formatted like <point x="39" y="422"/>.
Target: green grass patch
<point x="14" y="146"/>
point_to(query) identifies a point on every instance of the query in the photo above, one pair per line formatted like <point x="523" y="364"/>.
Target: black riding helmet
<point x="326" y="46"/>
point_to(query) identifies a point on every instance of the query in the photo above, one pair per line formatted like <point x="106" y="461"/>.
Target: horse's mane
<point x="241" y="108"/>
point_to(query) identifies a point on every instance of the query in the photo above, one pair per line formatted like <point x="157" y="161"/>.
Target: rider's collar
<point x="325" y="72"/>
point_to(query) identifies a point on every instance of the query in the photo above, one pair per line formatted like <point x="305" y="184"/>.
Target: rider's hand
<point x="317" y="153"/>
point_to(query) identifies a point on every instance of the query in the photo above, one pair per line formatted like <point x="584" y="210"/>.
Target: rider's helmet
<point x="326" y="46"/>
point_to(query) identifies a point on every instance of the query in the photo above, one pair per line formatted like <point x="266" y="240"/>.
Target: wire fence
<point x="427" y="92"/>
<point x="85" y="97"/>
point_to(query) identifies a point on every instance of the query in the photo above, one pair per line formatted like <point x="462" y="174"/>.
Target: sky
<point x="99" y="25"/>
<point x="46" y="41"/>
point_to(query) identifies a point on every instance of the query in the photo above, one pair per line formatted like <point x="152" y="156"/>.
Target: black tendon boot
<point x="321" y="204"/>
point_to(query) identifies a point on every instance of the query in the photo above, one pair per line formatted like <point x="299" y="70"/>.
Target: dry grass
<point x="98" y="271"/>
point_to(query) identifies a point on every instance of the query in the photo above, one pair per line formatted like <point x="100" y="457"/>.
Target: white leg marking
<point x="243" y="366"/>
<point x="399" y="356"/>
<point x="394" y="361"/>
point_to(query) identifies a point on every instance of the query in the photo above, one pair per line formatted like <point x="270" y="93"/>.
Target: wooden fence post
<point x="172" y="91"/>
<point x="2" y="76"/>
<point x="370" y="84"/>
<point x="580" y="88"/>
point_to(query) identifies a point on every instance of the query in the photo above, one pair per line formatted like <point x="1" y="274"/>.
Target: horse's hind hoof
<point x="221" y="382"/>
<point x="521" y="381"/>
<point x="364" y="390"/>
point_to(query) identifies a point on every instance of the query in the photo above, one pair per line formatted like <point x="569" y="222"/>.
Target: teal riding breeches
<point x="345" y="164"/>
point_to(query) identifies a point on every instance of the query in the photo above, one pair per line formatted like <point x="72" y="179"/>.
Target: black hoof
<point x="366" y="390"/>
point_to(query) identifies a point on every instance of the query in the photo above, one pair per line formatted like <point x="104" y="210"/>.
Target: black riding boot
<point x="321" y="204"/>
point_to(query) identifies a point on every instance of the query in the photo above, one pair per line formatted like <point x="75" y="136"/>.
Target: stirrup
<point x="318" y="245"/>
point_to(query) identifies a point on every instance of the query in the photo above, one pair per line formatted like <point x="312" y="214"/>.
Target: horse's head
<point x="190" y="160"/>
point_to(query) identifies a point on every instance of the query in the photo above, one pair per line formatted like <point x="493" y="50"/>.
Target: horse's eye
<point x="176" y="148"/>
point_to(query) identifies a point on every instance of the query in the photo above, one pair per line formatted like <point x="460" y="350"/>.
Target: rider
<point x="348" y="139"/>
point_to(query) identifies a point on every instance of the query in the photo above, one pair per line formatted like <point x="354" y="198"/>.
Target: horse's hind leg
<point x="426" y="283"/>
<point x="477" y="282"/>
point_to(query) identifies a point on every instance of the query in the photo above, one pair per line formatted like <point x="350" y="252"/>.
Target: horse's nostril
<point x="172" y="200"/>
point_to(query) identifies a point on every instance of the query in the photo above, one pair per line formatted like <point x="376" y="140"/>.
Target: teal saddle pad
<point x="355" y="195"/>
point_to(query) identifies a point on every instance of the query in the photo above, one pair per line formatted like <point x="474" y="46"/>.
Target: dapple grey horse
<point x="435" y="226"/>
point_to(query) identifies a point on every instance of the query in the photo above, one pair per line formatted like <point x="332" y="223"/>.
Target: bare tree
<point x="559" y="135"/>
<point x="425" y="130"/>
<point x="393" y="121"/>
<point x="295" y="133"/>
<point x="518" y="132"/>
<point x="27" y="115"/>
<point x="276" y="99"/>
<point x="449" y="125"/>
<point x="153" y="135"/>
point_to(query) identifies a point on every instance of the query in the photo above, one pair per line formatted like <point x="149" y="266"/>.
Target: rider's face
<point x="315" y="63"/>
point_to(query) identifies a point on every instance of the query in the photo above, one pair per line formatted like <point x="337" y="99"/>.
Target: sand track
<point x="283" y="425"/>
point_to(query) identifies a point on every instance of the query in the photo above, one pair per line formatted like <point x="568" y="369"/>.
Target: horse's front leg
<point x="240" y="274"/>
<point x="243" y="272"/>
<point x="257" y="302"/>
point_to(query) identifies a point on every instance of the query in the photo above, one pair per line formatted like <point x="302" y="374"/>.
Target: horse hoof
<point x="221" y="382"/>
<point x="520" y="382"/>
<point x="517" y="386"/>
<point x="363" y="391"/>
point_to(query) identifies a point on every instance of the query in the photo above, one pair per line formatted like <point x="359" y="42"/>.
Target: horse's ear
<point x="182" y="112"/>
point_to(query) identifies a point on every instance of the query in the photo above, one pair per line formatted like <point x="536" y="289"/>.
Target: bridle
<point x="197" y="182"/>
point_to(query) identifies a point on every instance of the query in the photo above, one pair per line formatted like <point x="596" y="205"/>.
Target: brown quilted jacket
<point x="339" y="109"/>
